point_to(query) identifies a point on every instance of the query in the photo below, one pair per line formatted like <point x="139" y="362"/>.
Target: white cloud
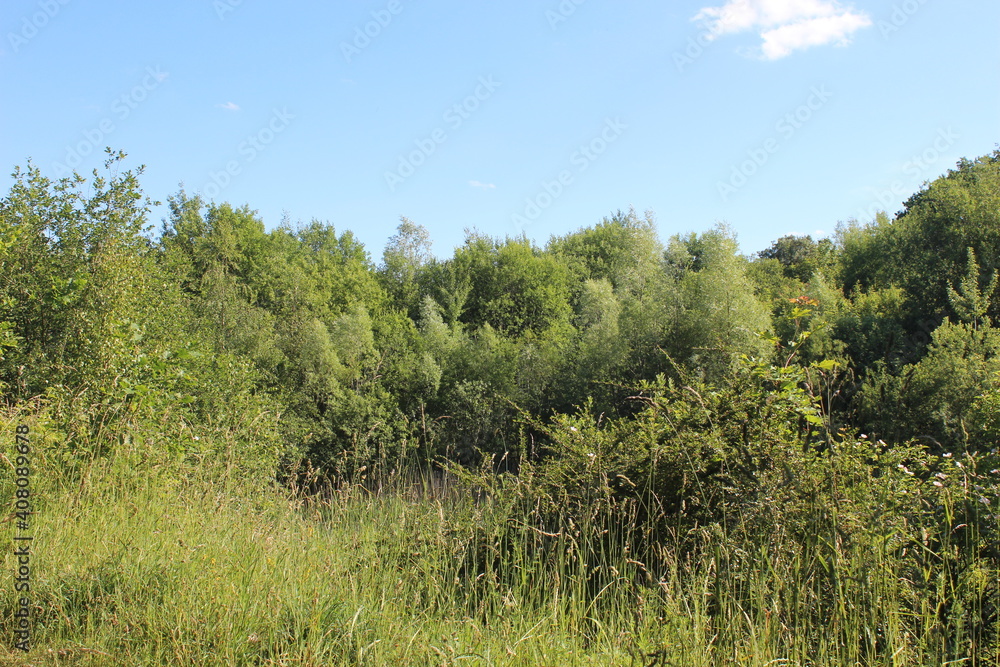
<point x="485" y="186"/>
<point x="782" y="41"/>
<point x="785" y="26"/>
<point x="229" y="106"/>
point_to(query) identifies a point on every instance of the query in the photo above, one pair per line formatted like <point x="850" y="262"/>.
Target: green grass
<point x="154" y="570"/>
<point x="143" y="563"/>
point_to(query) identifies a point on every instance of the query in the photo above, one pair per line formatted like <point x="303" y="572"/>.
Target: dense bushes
<point x="832" y="544"/>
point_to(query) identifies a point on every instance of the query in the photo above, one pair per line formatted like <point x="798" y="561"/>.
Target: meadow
<point x="144" y="560"/>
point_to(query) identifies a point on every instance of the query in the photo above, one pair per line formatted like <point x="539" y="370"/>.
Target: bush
<point x="847" y="546"/>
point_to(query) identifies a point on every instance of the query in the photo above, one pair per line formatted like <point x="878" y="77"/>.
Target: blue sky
<point x="774" y="116"/>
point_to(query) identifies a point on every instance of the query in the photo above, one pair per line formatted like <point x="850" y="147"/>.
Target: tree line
<point x="297" y="345"/>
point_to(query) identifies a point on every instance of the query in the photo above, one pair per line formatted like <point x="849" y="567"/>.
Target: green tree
<point x="969" y="302"/>
<point x="406" y="253"/>
<point x="924" y="249"/>
<point x="866" y="255"/>
<point x="623" y="249"/>
<point x="78" y="281"/>
<point x="600" y="351"/>
<point x="934" y="398"/>
<point x="800" y="256"/>
<point x="721" y="317"/>
<point x="515" y="287"/>
<point x="937" y="397"/>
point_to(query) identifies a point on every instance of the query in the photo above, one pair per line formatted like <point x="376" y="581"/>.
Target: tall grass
<point x="145" y="560"/>
<point x="187" y="565"/>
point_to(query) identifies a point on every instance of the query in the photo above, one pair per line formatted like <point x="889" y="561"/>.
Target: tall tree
<point x="622" y="249"/>
<point x="721" y="316"/>
<point x="800" y="256"/>
<point x="406" y="253"/>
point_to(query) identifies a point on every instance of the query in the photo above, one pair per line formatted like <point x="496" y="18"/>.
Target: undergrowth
<point x="656" y="540"/>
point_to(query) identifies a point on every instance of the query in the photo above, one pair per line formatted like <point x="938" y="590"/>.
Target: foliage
<point x="924" y="249"/>
<point x="799" y="256"/>
<point x="720" y="315"/>
<point x="660" y="454"/>
<point x="932" y="398"/>
<point x="406" y="253"/>
<point x="623" y="250"/>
